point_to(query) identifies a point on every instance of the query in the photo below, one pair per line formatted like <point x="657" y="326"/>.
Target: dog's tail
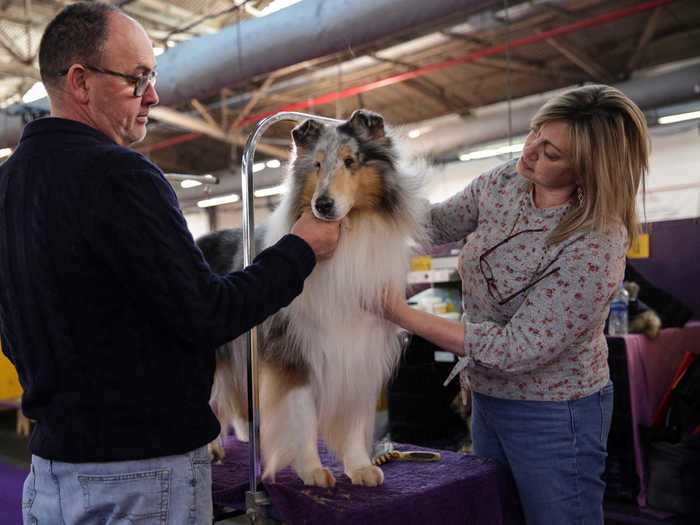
<point x="230" y="390"/>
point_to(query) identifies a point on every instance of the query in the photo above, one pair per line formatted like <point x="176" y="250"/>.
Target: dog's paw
<point x="369" y="476"/>
<point x="216" y="451"/>
<point x="320" y="477"/>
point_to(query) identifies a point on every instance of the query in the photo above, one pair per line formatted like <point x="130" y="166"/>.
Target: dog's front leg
<point x="308" y="467"/>
<point x="289" y="428"/>
<point x="358" y="465"/>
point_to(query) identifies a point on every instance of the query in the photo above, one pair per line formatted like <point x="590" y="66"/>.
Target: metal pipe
<point x="472" y="56"/>
<point x="201" y="66"/>
<point x="672" y="87"/>
<point x="251" y="340"/>
<point x="579" y="25"/>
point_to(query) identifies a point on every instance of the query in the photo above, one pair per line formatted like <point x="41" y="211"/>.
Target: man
<point x="107" y="308"/>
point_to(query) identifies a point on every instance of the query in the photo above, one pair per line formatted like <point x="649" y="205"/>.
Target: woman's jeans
<point x="556" y="451"/>
<point x="166" y="490"/>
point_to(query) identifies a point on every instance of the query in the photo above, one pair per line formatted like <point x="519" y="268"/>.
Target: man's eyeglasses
<point x="487" y="271"/>
<point x="140" y="82"/>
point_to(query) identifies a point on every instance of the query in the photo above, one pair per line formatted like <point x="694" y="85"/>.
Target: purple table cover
<point x="459" y="489"/>
<point x="651" y="365"/>
<point x="11" y="482"/>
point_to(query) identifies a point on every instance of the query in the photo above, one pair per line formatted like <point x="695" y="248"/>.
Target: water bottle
<point x="617" y="321"/>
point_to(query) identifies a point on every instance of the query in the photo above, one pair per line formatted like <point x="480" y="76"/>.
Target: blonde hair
<point x="609" y="153"/>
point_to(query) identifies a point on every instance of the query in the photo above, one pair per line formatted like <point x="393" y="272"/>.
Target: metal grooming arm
<point x="257" y="500"/>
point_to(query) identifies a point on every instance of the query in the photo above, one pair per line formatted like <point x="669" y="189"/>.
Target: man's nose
<point x="150" y="96"/>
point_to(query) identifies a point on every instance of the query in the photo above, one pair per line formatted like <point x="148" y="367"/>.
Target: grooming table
<point x="459" y="489"/>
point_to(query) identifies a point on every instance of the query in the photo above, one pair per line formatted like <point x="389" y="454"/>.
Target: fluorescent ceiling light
<point x="258" y="166"/>
<point x="415" y="133"/>
<point x="680" y="117"/>
<point x="272" y="7"/>
<point x="157" y="51"/>
<point x="267" y="192"/>
<point x="5" y="152"/>
<point x="189" y="183"/>
<point x="217" y="201"/>
<point x="36" y="92"/>
<point x="492" y="152"/>
<point x="274" y="163"/>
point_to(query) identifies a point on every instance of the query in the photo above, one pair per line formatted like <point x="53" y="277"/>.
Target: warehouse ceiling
<point x="432" y="74"/>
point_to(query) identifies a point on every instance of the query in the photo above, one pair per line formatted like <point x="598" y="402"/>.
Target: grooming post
<point x="257" y="500"/>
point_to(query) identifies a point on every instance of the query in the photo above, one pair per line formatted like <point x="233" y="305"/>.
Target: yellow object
<point x="421" y="263"/>
<point x="640" y="247"/>
<point x="10" y="389"/>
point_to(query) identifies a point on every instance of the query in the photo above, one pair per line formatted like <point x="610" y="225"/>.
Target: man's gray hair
<point x="75" y="36"/>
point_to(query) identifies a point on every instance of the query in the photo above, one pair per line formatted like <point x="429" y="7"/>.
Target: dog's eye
<point x="317" y="165"/>
<point x="349" y="162"/>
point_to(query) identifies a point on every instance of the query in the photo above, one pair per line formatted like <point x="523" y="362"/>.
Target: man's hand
<point x="322" y="236"/>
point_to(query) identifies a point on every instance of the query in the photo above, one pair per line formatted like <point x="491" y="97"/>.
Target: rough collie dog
<point x="325" y="357"/>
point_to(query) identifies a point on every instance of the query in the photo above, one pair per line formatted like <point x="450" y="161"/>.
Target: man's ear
<point x="76" y="84"/>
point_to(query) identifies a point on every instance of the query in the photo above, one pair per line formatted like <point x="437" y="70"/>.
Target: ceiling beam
<point x="644" y="40"/>
<point x="580" y="58"/>
<point x="516" y="64"/>
<point x="198" y="125"/>
<point x="7" y="43"/>
<point x="14" y="69"/>
<point x="253" y="100"/>
<point x="202" y="110"/>
<point x="427" y="87"/>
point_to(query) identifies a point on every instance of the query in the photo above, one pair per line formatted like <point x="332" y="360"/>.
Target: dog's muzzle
<point x="324" y="208"/>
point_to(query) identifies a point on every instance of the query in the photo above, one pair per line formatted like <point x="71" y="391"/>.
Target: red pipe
<point x="172" y="141"/>
<point x="587" y="23"/>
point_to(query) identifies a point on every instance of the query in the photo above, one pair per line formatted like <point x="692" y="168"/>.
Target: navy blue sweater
<point x="107" y="307"/>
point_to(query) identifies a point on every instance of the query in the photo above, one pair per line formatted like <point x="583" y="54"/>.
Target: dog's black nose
<point x="324" y="205"/>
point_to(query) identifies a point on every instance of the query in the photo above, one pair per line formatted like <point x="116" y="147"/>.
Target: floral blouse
<point x="533" y="313"/>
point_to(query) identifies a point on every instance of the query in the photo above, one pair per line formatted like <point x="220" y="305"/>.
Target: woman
<point x="546" y="238"/>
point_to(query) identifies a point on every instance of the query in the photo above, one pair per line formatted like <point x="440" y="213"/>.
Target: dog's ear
<point x="306" y="134"/>
<point x="366" y="125"/>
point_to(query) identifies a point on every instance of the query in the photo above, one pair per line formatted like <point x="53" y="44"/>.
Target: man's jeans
<point x="555" y="450"/>
<point x="166" y="490"/>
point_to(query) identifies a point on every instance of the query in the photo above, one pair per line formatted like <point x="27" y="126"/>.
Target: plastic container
<point x="618" y="318"/>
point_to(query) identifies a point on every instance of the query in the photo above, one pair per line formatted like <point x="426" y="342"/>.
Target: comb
<point x="409" y="455"/>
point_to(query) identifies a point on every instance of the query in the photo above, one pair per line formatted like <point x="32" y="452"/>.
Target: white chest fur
<point x="337" y="322"/>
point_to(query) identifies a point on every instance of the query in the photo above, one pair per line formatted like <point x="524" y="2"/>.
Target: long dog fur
<point x="326" y="356"/>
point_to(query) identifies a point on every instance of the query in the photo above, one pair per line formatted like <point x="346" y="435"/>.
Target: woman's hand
<point x="445" y="333"/>
<point x="394" y="305"/>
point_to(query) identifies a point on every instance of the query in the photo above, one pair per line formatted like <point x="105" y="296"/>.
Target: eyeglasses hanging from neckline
<point x="487" y="271"/>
